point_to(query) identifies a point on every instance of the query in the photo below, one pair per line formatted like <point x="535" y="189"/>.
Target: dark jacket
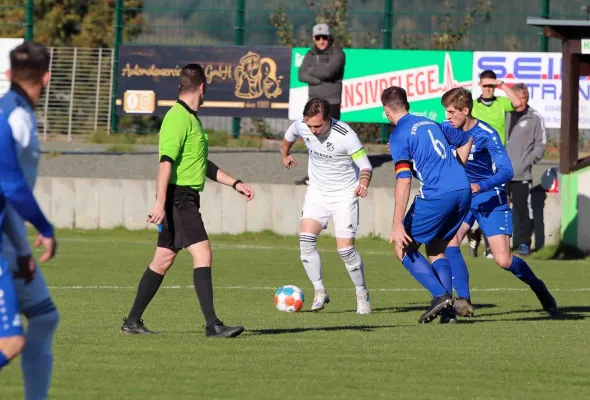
<point x="525" y="142"/>
<point x="323" y="72"/>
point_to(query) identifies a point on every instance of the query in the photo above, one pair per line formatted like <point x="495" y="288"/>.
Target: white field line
<point x="98" y="287"/>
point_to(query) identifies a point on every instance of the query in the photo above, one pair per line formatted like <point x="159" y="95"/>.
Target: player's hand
<point x="475" y="188"/>
<point x="156" y="216"/>
<point x="289" y="161"/>
<point x="399" y="235"/>
<point x="245" y="190"/>
<point x="50" y="246"/>
<point x="361" y="190"/>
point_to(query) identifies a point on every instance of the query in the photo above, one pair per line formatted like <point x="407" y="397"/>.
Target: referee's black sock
<point x="204" y="289"/>
<point x="146" y="290"/>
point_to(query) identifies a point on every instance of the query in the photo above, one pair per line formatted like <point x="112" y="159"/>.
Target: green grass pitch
<point x="510" y="349"/>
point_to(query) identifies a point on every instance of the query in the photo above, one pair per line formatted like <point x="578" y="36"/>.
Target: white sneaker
<point x="363" y="305"/>
<point x="320" y="299"/>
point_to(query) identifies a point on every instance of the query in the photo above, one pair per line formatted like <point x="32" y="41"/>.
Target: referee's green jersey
<point x="183" y="140"/>
<point x="494" y="114"/>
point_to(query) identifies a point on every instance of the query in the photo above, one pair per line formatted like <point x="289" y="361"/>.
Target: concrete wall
<point x="583" y="211"/>
<point x="107" y="203"/>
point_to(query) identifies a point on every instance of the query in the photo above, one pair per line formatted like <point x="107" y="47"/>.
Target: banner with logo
<point x="425" y="75"/>
<point x="6" y="46"/>
<point x="541" y="72"/>
<point x="242" y="81"/>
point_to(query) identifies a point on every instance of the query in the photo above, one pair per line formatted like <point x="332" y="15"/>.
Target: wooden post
<point x="570" y="79"/>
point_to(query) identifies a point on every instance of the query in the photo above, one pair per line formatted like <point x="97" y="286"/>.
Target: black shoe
<point x="217" y="329"/>
<point x="546" y="299"/>
<point x="448" y="316"/>
<point x="135" y="328"/>
<point x="474" y="239"/>
<point x="437" y="306"/>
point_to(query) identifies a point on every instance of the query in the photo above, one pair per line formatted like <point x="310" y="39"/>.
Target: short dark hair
<point x="459" y="98"/>
<point x="317" y="106"/>
<point x="191" y="78"/>
<point x="29" y="61"/>
<point x="395" y="97"/>
<point x="488" y="73"/>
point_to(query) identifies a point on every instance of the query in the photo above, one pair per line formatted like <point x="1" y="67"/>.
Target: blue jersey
<point x="488" y="164"/>
<point x="420" y="148"/>
<point x="13" y="186"/>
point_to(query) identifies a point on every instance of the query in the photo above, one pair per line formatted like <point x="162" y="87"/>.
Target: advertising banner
<point x="541" y="72"/>
<point x="6" y="46"/>
<point x="242" y="81"/>
<point x="425" y="75"/>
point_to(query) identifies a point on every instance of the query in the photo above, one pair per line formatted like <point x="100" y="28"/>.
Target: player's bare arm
<point x="509" y="92"/>
<point x="287" y="159"/>
<point x="402" y="196"/>
<point x="218" y="175"/>
<point x="464" y="151"/>
<point x="164" y="171"/>
<point x="361" y="160"/>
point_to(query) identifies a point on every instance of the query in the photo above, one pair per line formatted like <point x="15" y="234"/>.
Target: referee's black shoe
<point x="217" y="329"/>
<point x="135" y="328"/>
<point x="437" y="306"/>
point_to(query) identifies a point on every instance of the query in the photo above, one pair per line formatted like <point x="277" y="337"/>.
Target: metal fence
<point x="77" y="100"/>
<point x="497" y="24"/>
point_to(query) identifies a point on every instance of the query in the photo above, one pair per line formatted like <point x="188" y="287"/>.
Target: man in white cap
<point x="323" y="69"/>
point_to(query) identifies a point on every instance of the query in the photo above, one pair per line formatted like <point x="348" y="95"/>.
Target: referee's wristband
<point x="236" y="184"/>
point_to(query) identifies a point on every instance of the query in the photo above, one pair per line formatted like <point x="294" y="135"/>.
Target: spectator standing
<point x="525" y="144"/>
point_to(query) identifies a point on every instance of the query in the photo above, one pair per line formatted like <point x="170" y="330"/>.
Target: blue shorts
<point x="10" y="319"/>
<point x="438" y="217"/>
<point x="492" y="213"/>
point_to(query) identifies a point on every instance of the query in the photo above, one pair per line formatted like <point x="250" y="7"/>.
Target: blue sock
<point x="37" y="356"/>
<point x="459" y="271"/>
<point x="3" y="360"/>
<point x="422" y="271"/>
<point x="522" y="271"/>
<point x="443" y="270"/>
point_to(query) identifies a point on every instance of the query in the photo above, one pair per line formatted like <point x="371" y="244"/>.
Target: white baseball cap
<point x="321" y="29"/>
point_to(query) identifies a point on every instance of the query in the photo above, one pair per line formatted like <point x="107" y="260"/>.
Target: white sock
<point x="37" y="355"/>
<point x="311" y="259"/>
<point x="355" y="267"/>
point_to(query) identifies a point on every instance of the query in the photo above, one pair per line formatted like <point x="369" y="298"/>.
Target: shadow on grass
<point x="360" y="328"/>
<point x="414" y="308"/>
<point x="565" y="313"/>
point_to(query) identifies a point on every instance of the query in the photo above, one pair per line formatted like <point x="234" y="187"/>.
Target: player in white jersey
<point x="339" y="173"/>
<point x="29" y="74"/>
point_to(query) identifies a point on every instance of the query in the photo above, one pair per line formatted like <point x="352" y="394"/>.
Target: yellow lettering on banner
<point x="150" y="71"/>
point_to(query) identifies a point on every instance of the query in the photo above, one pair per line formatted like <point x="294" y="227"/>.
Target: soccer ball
<point x="289" y="298"/>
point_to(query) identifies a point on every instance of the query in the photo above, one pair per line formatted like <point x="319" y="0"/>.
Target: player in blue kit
<point x="15" y="191"/>
<point x="28" y="75"/>
<point x="488" y="170"/>
<point x="419" y="148"/>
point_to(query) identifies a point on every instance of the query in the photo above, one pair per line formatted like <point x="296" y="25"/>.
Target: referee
<point x="183" y="148"/>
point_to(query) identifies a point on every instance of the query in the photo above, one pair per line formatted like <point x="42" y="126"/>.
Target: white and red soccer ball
<point x="289" y="298"/>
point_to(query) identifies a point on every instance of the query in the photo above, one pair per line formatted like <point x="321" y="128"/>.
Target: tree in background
<point x="75" y="23"/>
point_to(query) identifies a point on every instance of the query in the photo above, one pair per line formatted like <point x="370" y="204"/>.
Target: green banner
<point x="425" y="74"/>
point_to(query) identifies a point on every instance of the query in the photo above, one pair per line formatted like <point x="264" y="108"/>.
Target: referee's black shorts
<point x="182" y="225"/>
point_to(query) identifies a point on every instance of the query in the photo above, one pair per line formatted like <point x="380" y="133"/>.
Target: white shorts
<point x="344" y="212"/>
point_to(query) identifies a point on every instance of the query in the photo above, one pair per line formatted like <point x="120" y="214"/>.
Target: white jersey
<point x="331" y="169"/>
